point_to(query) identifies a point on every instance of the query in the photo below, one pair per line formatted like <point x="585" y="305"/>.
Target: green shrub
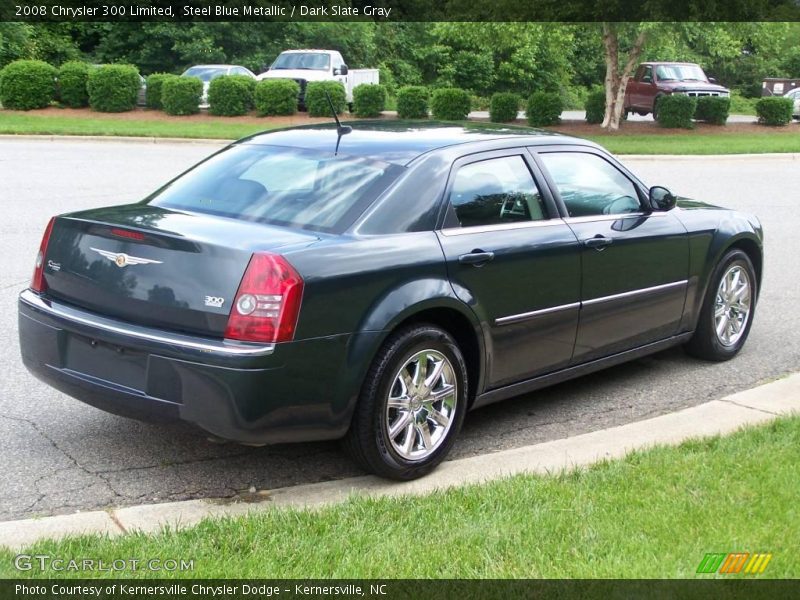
<point x="113" y="88"/>
<point x="450" y="104"/>
<point x="369" y="100"/>
<point x="596" y="106"/>
<point x="412" y="102"/>
<point x="181" y="95"/>
<point x="544" y="108"/>
<point x="276" y="97"/>
<point x="504" y="107"/>
<point x="317" y="103"/>
<point x="774" y="110"/>
<point x="72" y="79"/>
<point x="231" y="95"/>
<point x="713" y="109"/>
<point x="27" y="84"/>
<point x="155" y="83"/>
<point x="676" y="111"/>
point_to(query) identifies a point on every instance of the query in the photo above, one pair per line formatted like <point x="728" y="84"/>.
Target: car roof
<point x="400" y="142"/>
<point x="308" y="50"/>
<point x="213" y="66"/>
<point x="670" y="62"/>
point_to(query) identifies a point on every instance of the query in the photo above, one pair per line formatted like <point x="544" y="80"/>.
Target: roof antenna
<point x="340" y="129"/>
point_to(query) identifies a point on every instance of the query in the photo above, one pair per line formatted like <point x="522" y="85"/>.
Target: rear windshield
<point x="280" y="186"/>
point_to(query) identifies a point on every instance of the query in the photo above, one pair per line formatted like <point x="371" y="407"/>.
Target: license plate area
<point x="108" y="362"/>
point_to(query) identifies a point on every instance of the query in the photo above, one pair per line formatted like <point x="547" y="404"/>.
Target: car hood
<point x="678" y="86"/>
<point x="307" y="74"/>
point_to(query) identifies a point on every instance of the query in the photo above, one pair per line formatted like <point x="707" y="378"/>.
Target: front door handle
<point x="598" y="242"/>
<point x="477" y="258"/>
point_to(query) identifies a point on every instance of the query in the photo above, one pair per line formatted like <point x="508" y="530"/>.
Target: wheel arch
<point x="429" y="301"/>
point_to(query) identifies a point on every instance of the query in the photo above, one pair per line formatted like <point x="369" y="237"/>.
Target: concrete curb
<point x="751" y="407"/>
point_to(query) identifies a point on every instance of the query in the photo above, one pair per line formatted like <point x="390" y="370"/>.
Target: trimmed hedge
<point x="544" y="108"/>
<point x="181" y="95"/>
<point x="113" y="88"/>
<point x="450" y="104"/>
<point x="317" y="103"/>
<point x="774" y="110"/>
<point x="504" y="107"/>
<point x="154" y="85"/>
<point x="27" y="84"/>
<point x="712" y="109"/>
<point x="369" y="100"/>
<point x="72" y="79"/>
<point x="596" y="106"/>
<point x="231" y="95"/>
<point x="412" y="102"/>
<point x="276" y="97"/>
<point x="676" y="111"/>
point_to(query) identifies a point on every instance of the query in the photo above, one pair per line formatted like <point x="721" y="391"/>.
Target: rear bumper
<point x="298" y="391"/>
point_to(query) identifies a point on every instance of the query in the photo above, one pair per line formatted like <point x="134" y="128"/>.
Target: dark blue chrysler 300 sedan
<point x="375" y="284"/>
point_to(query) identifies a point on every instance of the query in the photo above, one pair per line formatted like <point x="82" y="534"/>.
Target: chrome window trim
<point x="227" y="347"/>
<point x="448" y="231"/>
<point x="535" y="313"/>
<point x="648" y="290"/>
<point x="615" y="217"/>
<point x="553" y="309"/>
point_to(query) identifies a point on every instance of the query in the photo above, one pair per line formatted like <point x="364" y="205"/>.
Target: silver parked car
<point x="208" y="72"/>
<point x="794" y="95"/>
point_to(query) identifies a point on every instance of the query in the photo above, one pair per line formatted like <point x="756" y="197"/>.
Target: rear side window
<point x="589" y="185"/>
<point x="495" y="191"/>
<point x="281" y="186"/>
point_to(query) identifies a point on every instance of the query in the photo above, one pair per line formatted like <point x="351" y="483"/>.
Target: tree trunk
<point x="617" y="80"/>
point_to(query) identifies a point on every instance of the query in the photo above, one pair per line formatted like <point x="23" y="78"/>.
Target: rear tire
<point x="412" y="404"/>
<point x="728" y="309"/>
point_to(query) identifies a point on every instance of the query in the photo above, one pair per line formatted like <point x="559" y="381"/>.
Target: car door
<point x="635" y="263"/>
<point x="514" y="261"/>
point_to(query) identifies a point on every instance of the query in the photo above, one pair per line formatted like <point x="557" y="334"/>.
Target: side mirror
<point x="661" y="199"/>
<point x="340" y="70"/>
<point x="712" y="80"/>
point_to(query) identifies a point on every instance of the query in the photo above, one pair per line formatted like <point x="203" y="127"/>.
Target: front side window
<point x="495" y="191"/>
<point x="589" y="185"/>
<point x="281" y="186"/>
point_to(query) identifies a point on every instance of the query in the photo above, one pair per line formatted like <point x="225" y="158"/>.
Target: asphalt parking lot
<point x="59" y="455"/>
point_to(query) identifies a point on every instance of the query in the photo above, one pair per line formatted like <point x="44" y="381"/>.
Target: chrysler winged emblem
<point x="123" y="260"/>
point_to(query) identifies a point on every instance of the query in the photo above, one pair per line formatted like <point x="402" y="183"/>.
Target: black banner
<point x="399" y="10"/>
<point x="392" y="589"/>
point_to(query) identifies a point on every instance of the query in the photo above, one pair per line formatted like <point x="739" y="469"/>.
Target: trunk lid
<point x="155" y="266"/>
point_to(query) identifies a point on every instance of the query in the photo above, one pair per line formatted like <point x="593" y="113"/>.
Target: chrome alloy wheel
<point x="732" y="305"/>
<point x="422" y="404"/>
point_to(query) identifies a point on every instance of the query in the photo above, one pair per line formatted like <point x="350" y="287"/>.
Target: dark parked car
<point x="284" y="290"/>
<point x="656" y="79"/>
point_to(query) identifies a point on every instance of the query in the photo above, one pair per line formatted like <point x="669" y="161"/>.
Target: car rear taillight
<point x="38" y="284"/>
<point x="266" y="306"/>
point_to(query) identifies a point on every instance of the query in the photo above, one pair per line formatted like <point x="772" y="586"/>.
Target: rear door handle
<point x="598" y="242"/>
<point x="476" y="258"/>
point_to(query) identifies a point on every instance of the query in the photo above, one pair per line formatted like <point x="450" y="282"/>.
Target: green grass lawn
<point x="701" y="143"/>
<point x="692" y="142"/>
<point x="20" y="123"/>
<point x="654" y="514"/>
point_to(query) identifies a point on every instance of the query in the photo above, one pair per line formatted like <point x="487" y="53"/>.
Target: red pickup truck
<point x="655" y="79"/>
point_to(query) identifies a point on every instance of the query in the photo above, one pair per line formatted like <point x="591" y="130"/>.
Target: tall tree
<point x="618" y="73"/>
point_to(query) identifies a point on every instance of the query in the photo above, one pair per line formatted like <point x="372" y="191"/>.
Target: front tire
<point x="412" y="404"/>
<point x="728" y="309"/>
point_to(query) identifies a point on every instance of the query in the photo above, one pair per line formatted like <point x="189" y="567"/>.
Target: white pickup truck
<point x="318" y="65"/>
